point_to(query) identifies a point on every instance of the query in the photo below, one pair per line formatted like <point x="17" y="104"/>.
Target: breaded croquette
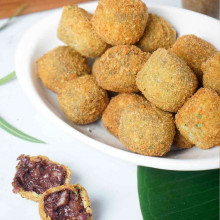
<point x="61" y="65"/>
<point x="166" y="81"/>
<point x="211" y="72"/>
<point x="194" y="51"/>
<point x="120" y="21"/>
<point x="117" y="68"/>
<point x="158" y="34"/>
<point x="199" y="119"/>
<point x="75" y="29"/>
<point x="145" y="129"/>
<point x="112" y="114"/>
<point x="82" y="100"/>
<point x="181" y="142"/>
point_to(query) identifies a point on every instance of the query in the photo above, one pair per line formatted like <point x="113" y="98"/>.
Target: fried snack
<point x="146" y="130"/>
<point x="166" y="80"/>
<point x="158" y="34"/>
<point x="34" y="175"/>
<point x="117" y="68"/>
<point x="75" y="29"/>
<point x="120" y="22"/>
<point x="211" y="70"/>
<point x="61" y="65"/>
<point x="199" y="119"/>
<point x="194" y="51"/>
<point x="82" y="100"/>
<point x="181" y="142"/>
<point x="112" y="114"/>
<point x="65" y="202"/>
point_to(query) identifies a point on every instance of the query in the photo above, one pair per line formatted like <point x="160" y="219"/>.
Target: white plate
<point x="41" y="38"/>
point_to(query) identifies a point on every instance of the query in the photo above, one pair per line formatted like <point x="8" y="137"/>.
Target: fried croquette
<point x="82" y="100"/>
<point x="112" y="114"/>
<point x="120" y="22"/>
<point x="146" y="130"/>
<point x="158" y="34"/>
<point x="181" y="142"/>
<point x="166" y="80"/>
<point x="194" y="51"/>
<point x="211" y="72"/>
<point x="199" y="119"/>
<point x="61" y="65"/>
<point x="117" y="68"/>
<point x="75" y="29"/>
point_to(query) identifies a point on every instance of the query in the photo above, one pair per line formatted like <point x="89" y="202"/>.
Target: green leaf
<point x="178" y="195"/>
<point x="7" y="78"/>
<point x="18" y="12"/>
<point x="10" y="129"/>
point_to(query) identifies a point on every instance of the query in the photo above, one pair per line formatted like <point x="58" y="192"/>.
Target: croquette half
<point x="199" y="119"/>
<point x="117" y="68"/>
<point x="211" y="70"/>
<point x="145" y="129"/>
<point x="59" y="66"/>
<point x="194" y="51"/>
<point x="112" y="114"/>
<point x="159" y="33"/>
<point x="82" y="100"/>
<point x="120" y="22"/>
<point x="166" y="80"/>
<point x="75" y="29"/>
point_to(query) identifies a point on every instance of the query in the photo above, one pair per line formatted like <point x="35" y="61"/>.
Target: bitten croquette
<point x="194" y="51"/>
<point x="166" y="81"/>
<point x="117" y="68"/>
<point x="82" y="100"/>
<point x="112" y="114"/>
<point x="75" y="29"/>
<point x="120" y="22"/>
<point x="59" y="66"/>
<point x="211" y="71"/>
<point x="199" y="119"/>
<point x="146" y="130"/>
<point x="158" y="34"/>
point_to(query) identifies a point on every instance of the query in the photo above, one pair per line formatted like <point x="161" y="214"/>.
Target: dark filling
<point x="65" y="204"/>
<point x="38" y="175"/>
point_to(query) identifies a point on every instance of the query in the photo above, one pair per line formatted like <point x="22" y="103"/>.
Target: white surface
<point x="42" y="37"/>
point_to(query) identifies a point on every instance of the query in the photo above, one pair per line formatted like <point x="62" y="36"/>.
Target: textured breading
<point x="199" y="119"/>
<point x="117" y="68"/>
<point x="120" y="22"/>
<point x="159" y="33"/>
<point x="166" y="80"/>
<point x="112" y="114"/>
<point x="181" y="142"/>
<point x="147" y="130"/>
<point x="75" y="29"/>
<point x="211" y="71"/>
<point x="194" y="51"/>
<point x="61" y="65"/>
<point x="82" y="100"/>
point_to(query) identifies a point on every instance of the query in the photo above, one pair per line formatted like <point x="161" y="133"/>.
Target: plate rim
<point x="25" y="81"/>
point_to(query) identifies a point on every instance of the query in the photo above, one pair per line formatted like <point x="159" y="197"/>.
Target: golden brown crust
<point x="159" y="33"/>
<point x="117" y="68"/>
<point x="181" y="142"/>
<point x="194" y="51"/>
<point x="33" y="195"/>
<point x="112" y="114"/>
<point x="75" y="29"/>
<point x="120" y="22"/>
<point x="61" y="65"/>
<point x="146" y="130"/>
<point x="82" y="100"/>
<point x="83" y="194"/>
<point x="199" y="119"/>
<point x="166" y="80"/>
<point x="211" y="71"/>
